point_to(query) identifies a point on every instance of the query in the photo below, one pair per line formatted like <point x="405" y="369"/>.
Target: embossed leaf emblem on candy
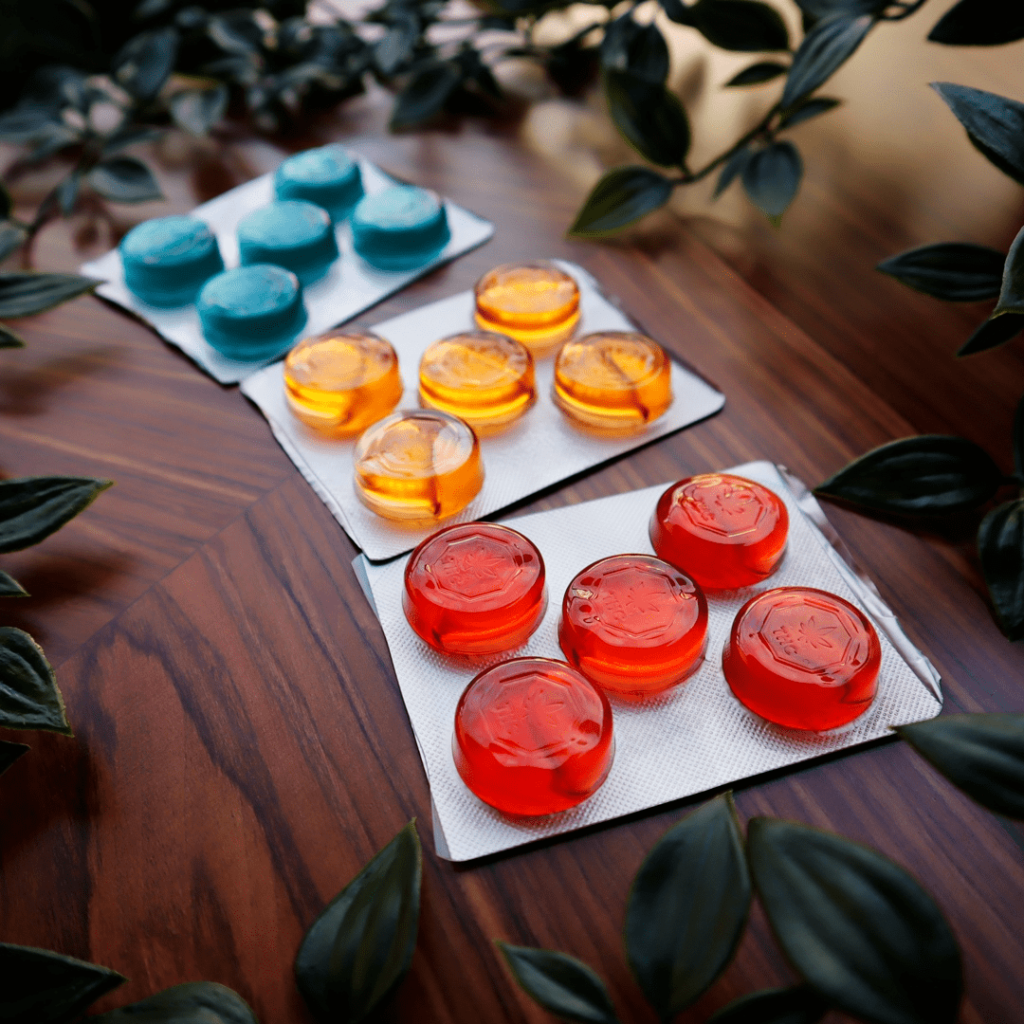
<point x="474" y="567"/>
<point x="816" y="642"/>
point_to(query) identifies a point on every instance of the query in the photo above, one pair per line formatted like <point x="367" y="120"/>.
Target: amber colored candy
<point x="485" y="378"/>
<point x="724" y="531"/>
<point x="633" y="624"/>
<point x="341" y="382"/>
<point x="613" y="380"/>
<point x="533" y="736"/>
<point x="475" y="588"/>
<point x="535" y="303"/>
<point x="803" y="658"/>
<point x="418" y="466"/>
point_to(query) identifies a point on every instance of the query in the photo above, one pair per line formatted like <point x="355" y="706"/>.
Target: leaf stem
<point x="760" y="128"/>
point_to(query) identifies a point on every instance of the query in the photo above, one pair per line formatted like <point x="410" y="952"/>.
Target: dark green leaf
<point x="1018" y="439"/>
<point x="621" y="197"/>
<point x="145" y="63"/>
<point x="130" y="135"/>
<point x="9" y="753"/>
<point x="561" y="984"/>
<point x="994" y="124"/>
<point x="772" y="176"/>
<point x="25" y="122"/>
<point x="993" y="333"/>
<point x="124" y="179"/>
<point x="733" y="167"/>
<point x="799" y="1005"/>
<point x="930" y="475"/>
<point x="40" y="987"/>
<point x="823" y="51"/>
<point x="857" y="927"/>
<point x="10" y="587"/>
<point x="1001" y="549"/>
<point x="197" y="1002"/>
<point x="33" y="507"/>
<point x="6" y="203"/>
<point x="649" y="116"/>
<point x="11" y="236"/>
<point x="638" y="49"/>
<point x="359" y="949"/>
<point x="953" y="271"/>
<point x="198" y="110"/>
<point x="425" y="95"/>
<point x="29" y="697"/>
<point x="8" y="339"/>
<point x="820" y="9"/>
<point x="806" y="110"/>
<point x="25" y="293"/>
<point x="67" y="193"/>
<point x="764" y="71"/>
<point x="677" y="11"/>
<point x="237" y="32"/>
<point x="1011" y="292"/>
<point x="980" y="23"/>
<point x="981" y="754"/>
<point x="743" y="26"/>
<point x="687" y="908"/>
<point x="396" y="47"/>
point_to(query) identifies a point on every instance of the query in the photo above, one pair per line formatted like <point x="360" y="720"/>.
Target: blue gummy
<point x="252" y="312"/>
<point x="167" y="260"/>
<point x="327" y="176"/>
<point x="401" y="228"/>
<point x="293" y="234"/>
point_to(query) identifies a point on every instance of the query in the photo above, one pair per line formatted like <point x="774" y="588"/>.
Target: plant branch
<point x="760" y="128"/>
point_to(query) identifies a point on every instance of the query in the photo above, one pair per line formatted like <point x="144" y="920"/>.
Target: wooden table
<point x="241" y="746"/>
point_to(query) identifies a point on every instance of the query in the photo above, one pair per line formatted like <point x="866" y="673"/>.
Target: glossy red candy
<point x="475" y="588"/>
<point x="633" y="624"/>
<point x="803" y="658"/>
<point x="724" y="531"/>
<point x="532" y="736"/>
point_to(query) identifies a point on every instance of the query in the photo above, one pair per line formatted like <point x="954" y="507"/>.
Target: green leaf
<point x="678" y="12"/>
<point x="124" y="179"/>
<point x="33" y="507"/>
<point x="740" y="25"/>
<point x="798" y="1005"/>
<point x="621" y="197"/>
<point x="856" y="926"/>
<point x="819" y="9"/>
<point x="930" y="475"/>
<point x="10" y="587"/>
<point x="733" y="167"/>
<point x="29" y="696"/>
<point x="806" y="110"/>
<point x="1001" y="548"/>
<point x="145" y="63"/>
<point x="994" y="124"/>
<point x="650" y="118"/>
<point x="638" y="49"/>
<point x="8" y="339"/>
<point x="25" y="121"/>
<point x="561" y="984"/>
<point x="40" y="987"/>
<point x="980" y="23"/>
<point x="687" y="908"/>
<point x="763" y="71"/>
<point x="11" y="237"/>
<point x="1018" y="439"/>
<point x="25" y="293"/>
<point x="9" y="753"/>
<point x="771" y="177"/>
<point x="993" y="333"/>
<point x="196" y="111"/>
<point x="981" y="754"/>
<point x="358" y="950"/>
<point x="1011" y="292"/>
<point x="66" y="193"/>
<point x="425" y="95"/>
<point x="823" y="51"/>
<point x="130" y="135"/>
<point x="6" y="203"/>
<point x="197" y="1002"/>
<point x="953" y="271"/>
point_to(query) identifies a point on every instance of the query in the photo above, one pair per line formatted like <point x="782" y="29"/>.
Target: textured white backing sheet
<point x="695" y="739"/>
<point x="540" y="449"/>
<point x="349" y="287"/>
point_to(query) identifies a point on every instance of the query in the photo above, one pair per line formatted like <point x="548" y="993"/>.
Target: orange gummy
<point x="339" y="383"/>
<point x="485" y="378"/>
<point x="475" y="588"/>
<point x="419" y="465"/>
<point x="803" y="658"/>
<point x="533" y="736"/>
<point x="634" y="625"/>
<point x="725" y="531"/>
<point x="613" y="380"/>
<point x="535" y="303"/>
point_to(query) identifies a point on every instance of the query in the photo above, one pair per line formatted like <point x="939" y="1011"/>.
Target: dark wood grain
<point x="241" y="745"/>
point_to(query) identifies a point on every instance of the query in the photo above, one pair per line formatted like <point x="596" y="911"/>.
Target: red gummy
<point x="475" y="588"/>
<point x="533" y="736"/>
<point x="803" y="658"/>
<point x="724" y="531"/>
<point x="634" y="625"/>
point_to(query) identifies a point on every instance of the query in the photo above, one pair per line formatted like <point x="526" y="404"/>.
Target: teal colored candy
<point x="167" y="260"/>
<point x="327" y="176"/>
<point x="401" y="228"/>
<point x="296" y="235"/>
<point x="252" y="312"/>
